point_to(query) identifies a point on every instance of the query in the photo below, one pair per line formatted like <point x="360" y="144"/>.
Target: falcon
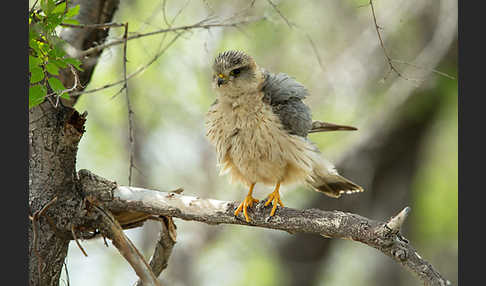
<point x="259" y="126"/>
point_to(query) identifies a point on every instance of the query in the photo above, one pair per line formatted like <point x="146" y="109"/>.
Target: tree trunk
<point x="54" y="133"/>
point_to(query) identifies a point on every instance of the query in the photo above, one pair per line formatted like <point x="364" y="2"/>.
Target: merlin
<point x="259" y="126"/>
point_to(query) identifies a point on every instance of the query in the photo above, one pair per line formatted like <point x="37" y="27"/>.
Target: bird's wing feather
<point x="285" y="95"/>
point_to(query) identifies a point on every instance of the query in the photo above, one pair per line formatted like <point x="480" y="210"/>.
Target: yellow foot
<point x="247" y="202"/>
<point x="274" y="198"/>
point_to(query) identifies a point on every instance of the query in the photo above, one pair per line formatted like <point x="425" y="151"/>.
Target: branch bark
<point x="330" y="224"/>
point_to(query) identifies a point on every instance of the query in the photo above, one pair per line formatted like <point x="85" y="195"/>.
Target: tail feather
<point x="334" y="185"/>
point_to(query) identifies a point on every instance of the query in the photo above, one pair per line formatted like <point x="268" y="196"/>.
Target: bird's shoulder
<point x="284" y="94"/>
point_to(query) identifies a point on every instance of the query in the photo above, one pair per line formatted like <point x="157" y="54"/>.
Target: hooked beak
<point x="221" y="79"/>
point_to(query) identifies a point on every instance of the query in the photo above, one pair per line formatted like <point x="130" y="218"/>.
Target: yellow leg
<point x="274" y="198"/>
<point x="247" y="202"/>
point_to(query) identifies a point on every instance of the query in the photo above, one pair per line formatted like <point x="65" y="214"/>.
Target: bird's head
<point x="236" y="73"/>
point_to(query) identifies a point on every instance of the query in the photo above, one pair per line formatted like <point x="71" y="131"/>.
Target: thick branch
<point x="112" y="229"/>
<point x="330" y="224"/>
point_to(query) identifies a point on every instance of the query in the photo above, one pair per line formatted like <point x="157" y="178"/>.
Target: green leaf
<point x="36" y="95"/>
<point x="74" y="62"/>
<point x="59" y="8"/>
<point x="35" y="46"/>
<point x="34" y="62"/>
<point x="52" y="22"/>
<point x="72" y="12"/>
<point x="60" y="63"/>
<point x="55" y="84"/>
<point x="56" y="52"/>
<point x="36" y="74"/>
<point x="52" y="68"/>
<point x="70" y="21"/>
<point x="47" y="6"/>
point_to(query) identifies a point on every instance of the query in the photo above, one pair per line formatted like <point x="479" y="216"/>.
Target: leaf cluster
<point x="46" y="53"/>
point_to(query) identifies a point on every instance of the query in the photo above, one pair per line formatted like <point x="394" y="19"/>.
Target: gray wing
<point x="285" y="96"/>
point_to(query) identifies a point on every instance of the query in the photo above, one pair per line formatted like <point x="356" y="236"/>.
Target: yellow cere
<point x="220" y="75"/>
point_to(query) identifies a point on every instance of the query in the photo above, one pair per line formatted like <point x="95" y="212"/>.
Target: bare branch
<point x="274" y="6"/>
<point x="199" y="25"/>
<point x="163" y="248"/>
<point x="330" y="224"/>
<point x="136" y="72"/>
<point x="424" y="68"/>
<point x="314" y="49"/>
<point x="93" y="26"/>
<point x="131" y="140"/>
<point x="385" y="53"/>
<point x="389" y="60"/>
<point x="112" y="229"/>
<point x="184" y="28"/>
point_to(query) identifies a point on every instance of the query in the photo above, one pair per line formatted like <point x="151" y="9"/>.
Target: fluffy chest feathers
<point x="251" y="143"/>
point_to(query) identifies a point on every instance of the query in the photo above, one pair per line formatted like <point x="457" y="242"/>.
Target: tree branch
<point x="112" y="229"/>
<point x="199" y="25"/>
<point x="384" y="236"/>
<point x="163" y="248"/>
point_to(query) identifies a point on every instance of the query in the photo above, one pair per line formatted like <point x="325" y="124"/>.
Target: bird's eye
<point x="235" y="72"/>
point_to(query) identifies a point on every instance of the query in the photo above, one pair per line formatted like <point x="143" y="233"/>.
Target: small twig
<point x="76" y="84"/>
<point x="280" y="13"/>
<point x="33" y="7"/>
<point x="179" y="12"/>
<point x="199" y="25"/>
<point x="164" y="13"/>
<point x="424" y="68"/>
<point x="93" y="26"/>
<point x="48" y="205"/>
<point x="77" y="242"/>
<point x="138" y="71"/>
<point x="316" y="53"/>
<point x="388" y="59"/>
<point x="377" y="28"/>
<point x="131" y="140"/>
<point x="308" y="37"/>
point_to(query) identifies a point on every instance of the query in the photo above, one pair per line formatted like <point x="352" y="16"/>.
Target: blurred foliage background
<point x="404" y="153"/>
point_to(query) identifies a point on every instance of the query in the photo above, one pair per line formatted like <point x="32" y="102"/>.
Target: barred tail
<point x="334" y="185"/>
